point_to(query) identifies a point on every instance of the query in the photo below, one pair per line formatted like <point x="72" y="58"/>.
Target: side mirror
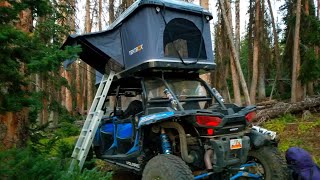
<point x="217" y="94"/>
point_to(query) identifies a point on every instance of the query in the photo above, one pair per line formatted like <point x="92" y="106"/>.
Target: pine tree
<point x="23" y="55"/>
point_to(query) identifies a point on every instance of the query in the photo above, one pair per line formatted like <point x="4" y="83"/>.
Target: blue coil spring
<point x="166" y="146"/>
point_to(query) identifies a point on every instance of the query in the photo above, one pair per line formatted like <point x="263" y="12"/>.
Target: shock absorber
<point x="172" y="100"/>
<point x="166" y="146"/>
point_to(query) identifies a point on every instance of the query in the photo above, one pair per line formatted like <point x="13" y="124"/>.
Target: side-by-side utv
<point x="154" y="116"/>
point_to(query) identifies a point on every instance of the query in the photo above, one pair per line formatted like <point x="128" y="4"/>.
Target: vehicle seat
<point x="133" y="108"/>
<point x="191" y="105"/>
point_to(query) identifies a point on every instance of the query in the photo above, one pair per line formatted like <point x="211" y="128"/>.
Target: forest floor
<point x="301" y="131"/>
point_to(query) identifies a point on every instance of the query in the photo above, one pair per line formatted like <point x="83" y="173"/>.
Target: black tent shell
<point x="151" y="34"/>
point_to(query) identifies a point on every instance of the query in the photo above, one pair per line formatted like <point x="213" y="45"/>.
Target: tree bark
<point x="296" y="59"/>
<point x="111" y="11"/>
<point x="204" y="4"/>
<point x="14" y="125"/>
<point x="221" y="74"/>
<point x="78" y="88"/>
<point x="88" y="26"/>
<point x="255" y="69"/>
<point x="88" y="21"/>
<point x="262" y="59"/>
<point x="44" y="111"/>
<point x="276" y="51"/>
<point x="235" y="53"/>
<point x="282" y="108"/>
<point x="206" y="77"/>
<point x="100" y="16"/>
<point x="68" y="94"/>
<point x="250" y="43"/>
<point x="234" y="75"/>
<point x="84" y="89"/>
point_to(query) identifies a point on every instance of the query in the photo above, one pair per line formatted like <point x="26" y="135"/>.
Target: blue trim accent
<point x="152" y="118"/>
<point x="115" y="142"/>
<point x="135" y="146"/>
<point x="248" y="165"/>
<point x="202" y="175"/>
<point x="245" y="174"/>
<point x="107" y="128"/>
<point x="124" y="131"/>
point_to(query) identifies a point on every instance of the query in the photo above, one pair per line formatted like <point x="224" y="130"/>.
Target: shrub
<point x="24" y="164"/>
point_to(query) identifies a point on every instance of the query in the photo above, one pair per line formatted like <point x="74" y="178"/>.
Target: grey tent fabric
<point x="109" y="43"/>
<point x="138" y="36"/>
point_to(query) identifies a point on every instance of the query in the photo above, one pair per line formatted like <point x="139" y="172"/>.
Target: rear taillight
<point x="250" y="116"/>
<point x="208" y="120"/>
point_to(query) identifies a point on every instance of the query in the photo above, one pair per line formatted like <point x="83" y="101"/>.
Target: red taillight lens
<point x="250" y="116"/>
<point x="208" y="120"/>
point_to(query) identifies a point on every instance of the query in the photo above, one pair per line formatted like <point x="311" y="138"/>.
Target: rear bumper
<point x="224" y="156"/>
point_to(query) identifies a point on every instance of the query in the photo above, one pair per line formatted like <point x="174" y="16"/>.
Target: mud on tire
<point x="167" y="167"/>
<point x="274" y="165"/>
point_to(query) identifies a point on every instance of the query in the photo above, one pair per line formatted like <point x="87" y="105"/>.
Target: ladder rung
<point x="92" y="121"/>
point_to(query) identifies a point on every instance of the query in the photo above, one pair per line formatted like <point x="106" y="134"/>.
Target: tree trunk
<point x="221" y="74"/>
<point x="255" y="69"/>
<point x="84" y="89"/>
<point x="89" y="88"/>
<point x="296" y="59"/>
<point x="206" y="77"/>
<point x="14" y="125"/>
<point x="68" y="94"/>
<point x="262" y="85"/>
<point x="235" y="53"/>
<point x="63" y="88"/>
<point x="88" y="21"/>
<point x="234" y="75"/>
<point x="44" y="112"/>
<point x="88" y="25"/>
<point x="78" y="88"/>
<point x="237" y="9"/>
<point x="100" y="15"/>
<point x="250" y="44"/>
<point x="318" y="14"/>
<point x="276" y="52"/>
<point x="111" y="11"/>
<point x="281" y="108"/>
<point x="71" y="17"/>
<point x="262" y="59"/>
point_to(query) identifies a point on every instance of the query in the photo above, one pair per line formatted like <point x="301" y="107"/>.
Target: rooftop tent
<point x="151" y="34"/>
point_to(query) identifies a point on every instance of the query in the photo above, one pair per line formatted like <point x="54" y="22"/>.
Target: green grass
<point x="300" y="132"/>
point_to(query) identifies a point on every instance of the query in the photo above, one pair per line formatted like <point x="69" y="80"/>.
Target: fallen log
<point x="266" y="104"/>
<point x="281" y="108"/>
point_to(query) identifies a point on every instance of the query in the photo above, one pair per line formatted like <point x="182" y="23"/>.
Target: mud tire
<point x="166" y="167"/>
<point x="273" y="163"/>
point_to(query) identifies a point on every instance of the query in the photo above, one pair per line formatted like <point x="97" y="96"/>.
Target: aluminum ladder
<point x="91" y="124"/>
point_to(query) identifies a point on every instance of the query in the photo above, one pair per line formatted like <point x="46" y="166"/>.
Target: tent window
<point x="185" y="37"/>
